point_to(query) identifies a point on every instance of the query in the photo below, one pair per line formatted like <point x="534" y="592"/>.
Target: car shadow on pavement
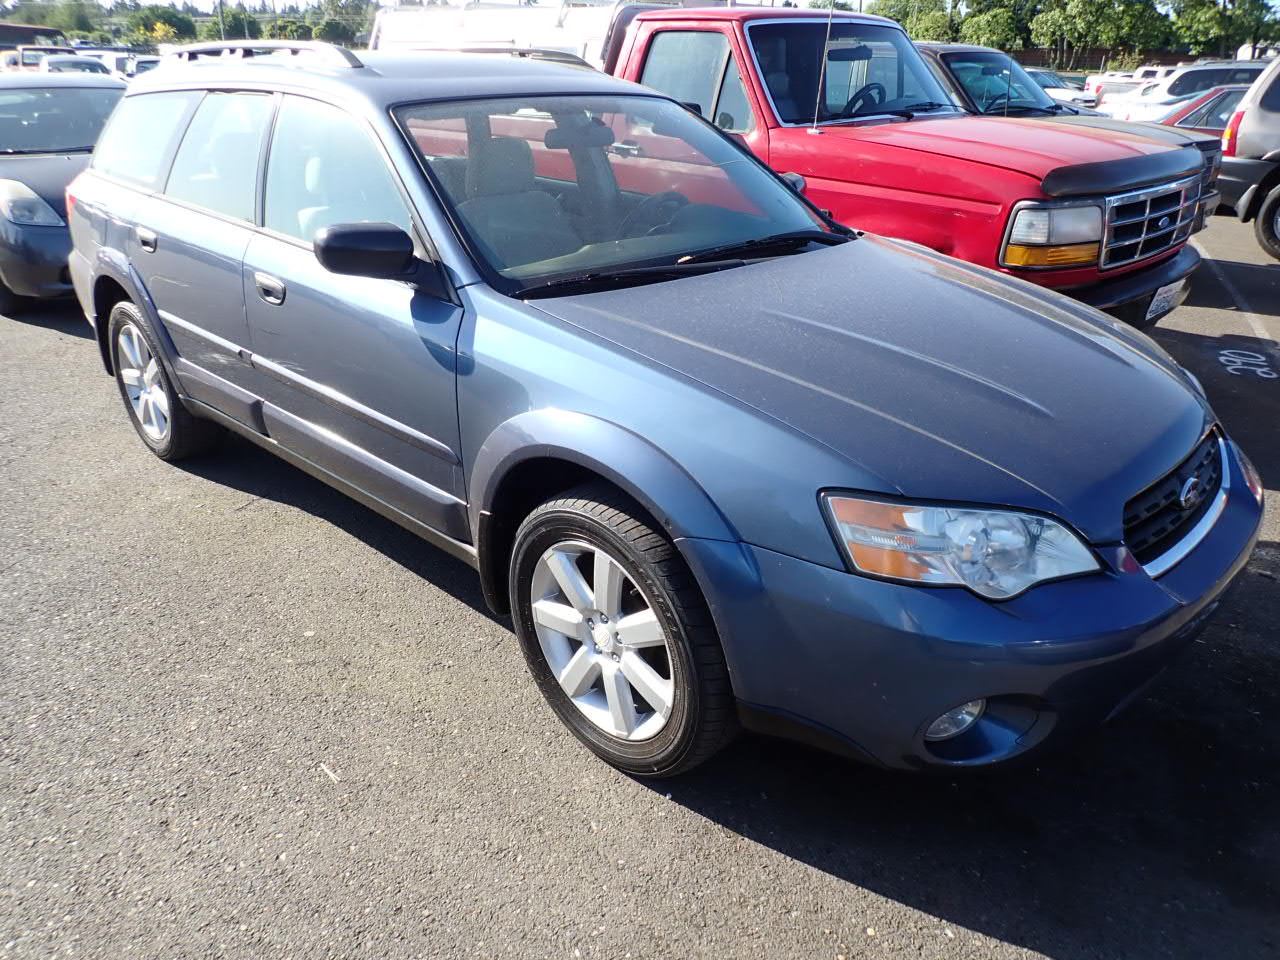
<point x="59" y="315"/>
<point x="1156" y="836"/>
<point x="1259" y="284"/>
<point x="242" y="466"/>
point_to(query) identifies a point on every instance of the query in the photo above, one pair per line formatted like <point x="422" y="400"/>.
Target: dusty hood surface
<point x="1022" y="144"/>
<point x="945" y="380"/>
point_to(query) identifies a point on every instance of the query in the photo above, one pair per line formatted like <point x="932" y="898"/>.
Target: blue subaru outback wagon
<point x="724" y="462"/>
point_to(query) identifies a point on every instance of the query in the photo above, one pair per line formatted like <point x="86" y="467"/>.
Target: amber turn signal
<point x="1068" y="255"/>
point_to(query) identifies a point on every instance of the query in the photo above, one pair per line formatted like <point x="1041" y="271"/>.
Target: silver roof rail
<point x="252" y="48"/>
<point x="524" y="53"/>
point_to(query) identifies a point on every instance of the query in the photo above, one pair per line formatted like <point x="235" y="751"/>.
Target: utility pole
<point x="222" y="27"/>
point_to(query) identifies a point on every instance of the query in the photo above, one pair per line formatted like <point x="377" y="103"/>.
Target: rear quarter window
<point x="1270" y="99"/>
<point x="139" y="137"/>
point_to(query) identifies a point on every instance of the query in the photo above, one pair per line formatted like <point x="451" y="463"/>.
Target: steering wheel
<point x="873" y="93"/>
<point x="999" y="98"/>
<point x="652" y="212"/>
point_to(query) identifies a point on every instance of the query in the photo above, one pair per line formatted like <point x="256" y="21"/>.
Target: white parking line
<point x="1242" y="304"/>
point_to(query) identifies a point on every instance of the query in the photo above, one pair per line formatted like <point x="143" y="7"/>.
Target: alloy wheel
<point x="140" y="374"/>
<point x="603" y="640"/>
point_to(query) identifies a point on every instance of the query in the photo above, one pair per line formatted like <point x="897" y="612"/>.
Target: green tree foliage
<point x="332" y="30"/>
<point x="996" y="28"/>
<point x="289" y="29"/>
<point x="828" y="4"/>
<point x="238" y="23"/>
<point x="144" y="19"/>
<point x="934" y="25"/>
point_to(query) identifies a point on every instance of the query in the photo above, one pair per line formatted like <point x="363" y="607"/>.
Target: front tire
<point x="618" y="636"/>
<point x="155" y="410"/>
<point x="1266" y="225"/>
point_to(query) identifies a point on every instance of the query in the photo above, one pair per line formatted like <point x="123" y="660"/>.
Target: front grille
<point x="1156" y="519"/>
<point x="1145" y="222"/>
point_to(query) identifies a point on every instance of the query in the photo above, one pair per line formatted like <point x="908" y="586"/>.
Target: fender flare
<point x="645" y="473"/>
<point x="112" y="265"/>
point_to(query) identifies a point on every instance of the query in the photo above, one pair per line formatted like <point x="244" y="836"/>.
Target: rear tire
<point x="153" y="405"/>
<point x="647" y="641"/>
<point x="1266" y="225"/>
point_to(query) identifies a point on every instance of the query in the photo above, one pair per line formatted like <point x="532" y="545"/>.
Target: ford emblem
<point x="1163" y="222"/>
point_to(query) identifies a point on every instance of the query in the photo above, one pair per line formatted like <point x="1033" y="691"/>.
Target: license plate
<point x="1165" y="299"/>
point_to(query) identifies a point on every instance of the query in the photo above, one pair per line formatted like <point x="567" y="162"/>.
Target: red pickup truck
<point x="850" y="105"/>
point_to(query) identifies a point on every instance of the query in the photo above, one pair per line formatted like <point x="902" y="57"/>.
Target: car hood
<point x="1022" y="144"/>
<point x="936" y="379"/>
<point x="47" y="174"/>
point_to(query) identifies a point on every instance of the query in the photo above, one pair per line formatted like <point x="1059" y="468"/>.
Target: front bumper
<point x="33" y="260"/>
<point x="1128" y="296"/>
<point x="862" y="666"/>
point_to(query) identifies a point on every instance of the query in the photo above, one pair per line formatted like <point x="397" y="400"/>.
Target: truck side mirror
<point x="794" y="181"/>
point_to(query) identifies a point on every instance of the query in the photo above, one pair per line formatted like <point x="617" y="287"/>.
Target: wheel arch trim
<point x="673" y="498"/>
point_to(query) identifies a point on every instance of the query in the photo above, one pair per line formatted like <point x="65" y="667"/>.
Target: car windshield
<point x="548" y="187"/>
<point x="996" y="83"/>
<point x="53" y="119"/>
<point x="144" y="65"/>
<point x="865" y="70"/>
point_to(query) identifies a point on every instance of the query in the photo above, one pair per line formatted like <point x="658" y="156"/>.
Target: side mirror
<point x="794" y="181"/>
<point x="379" y="250"/>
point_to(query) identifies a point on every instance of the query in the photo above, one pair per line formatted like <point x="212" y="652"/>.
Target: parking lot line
<point x="1243" y="306"/>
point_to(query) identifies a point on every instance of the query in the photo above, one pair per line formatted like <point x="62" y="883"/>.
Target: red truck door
<point x="701" y="65"/>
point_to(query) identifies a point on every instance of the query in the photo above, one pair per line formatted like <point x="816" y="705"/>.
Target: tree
<point x="828" y="4"/>
<point x="144" y="20"/>
<point x="934" y="25"/>
<point x="333" y="31"/>
<point x="288" y="29"/>
<point x="996" y="28"/>
<point x="238" y="23"/>
<point x="163" y="33"/>
<point x="906" y="10"/>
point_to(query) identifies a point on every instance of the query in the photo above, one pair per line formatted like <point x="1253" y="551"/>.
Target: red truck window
<point x="697" y="68"/>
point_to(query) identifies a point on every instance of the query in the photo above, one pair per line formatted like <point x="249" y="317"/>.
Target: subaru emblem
<point x="1191" y="493"/>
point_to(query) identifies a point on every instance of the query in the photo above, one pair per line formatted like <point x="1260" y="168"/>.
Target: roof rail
<point x="525" y="53"/>
<point x="252" y="48"/>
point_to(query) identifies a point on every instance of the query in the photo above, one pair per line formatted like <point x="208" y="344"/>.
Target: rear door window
<point x="216" y="166"/>
<point x="139" y="137"/>
<point x="323" y="170"/>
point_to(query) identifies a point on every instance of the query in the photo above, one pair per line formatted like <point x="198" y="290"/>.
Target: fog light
<point x="955" y="722"/>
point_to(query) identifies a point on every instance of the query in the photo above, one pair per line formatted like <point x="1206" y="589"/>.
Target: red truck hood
<point x="1022" y="145"/>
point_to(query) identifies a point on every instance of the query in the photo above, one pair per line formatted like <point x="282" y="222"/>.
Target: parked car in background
<point x="1251" y="159"/>
<point x="1112" y="81"/>
<point x="124" y="64"/>
<point x="62" y="63"/>
<point x="1151" y="101"/>
<point x="1154" y="72"/>
<point x="1207" y="112"/>
<point x="22" y="58"/>
<point x="988" y="81"/>
<point x="1062" y="89"/>
<point x="722" y="459"/>
<point x="49" y="123"/>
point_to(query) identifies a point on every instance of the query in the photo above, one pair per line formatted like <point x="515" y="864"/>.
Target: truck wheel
<point x="618" y="636"/>
<point x="164" y="424"/>
<point x="1266" y="226"/>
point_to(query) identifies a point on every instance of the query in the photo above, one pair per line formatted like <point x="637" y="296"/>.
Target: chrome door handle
<point x="270" y="289"/>
<point x="146" y="239"/>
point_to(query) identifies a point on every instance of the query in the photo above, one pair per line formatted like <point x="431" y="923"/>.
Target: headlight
<point x="995" y="553"/>
<point x="20" y="204"/>
<point x="1252" y="478"/>
<point x="1054" y="237"/>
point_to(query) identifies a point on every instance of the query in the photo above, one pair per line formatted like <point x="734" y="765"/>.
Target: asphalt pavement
<point x="242" y="716"/>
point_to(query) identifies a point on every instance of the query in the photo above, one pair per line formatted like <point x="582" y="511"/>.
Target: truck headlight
<point x="20" y="204"/>
<point x="1054" y="237"/>
<point x="995" y="553"/>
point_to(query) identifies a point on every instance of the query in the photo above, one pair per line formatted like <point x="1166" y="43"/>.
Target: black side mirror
<point x="794" y="181"/>
<point x="380" y="250"/>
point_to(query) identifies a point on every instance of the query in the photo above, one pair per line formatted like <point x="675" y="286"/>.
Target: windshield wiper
<point x="909" y="111"/>
<point x="792" y="241"/>
<point x="606" y="279"/>
<point x="18" y="152"/>
<point x="1020" y="108"/>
